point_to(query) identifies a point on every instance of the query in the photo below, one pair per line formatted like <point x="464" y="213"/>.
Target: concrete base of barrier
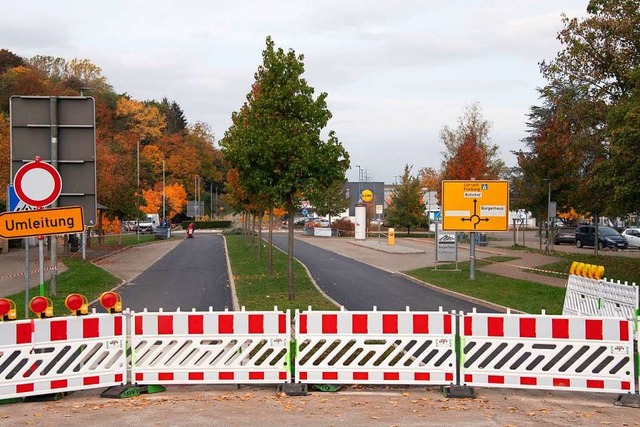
<point x="293" y="389"/>
<point x="459" y="391"/>
<point x="49" y="397"/>
<point x="628" y="400"/>
<point x="127" y="391"/>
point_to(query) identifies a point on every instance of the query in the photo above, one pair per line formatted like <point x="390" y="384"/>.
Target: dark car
<point x="564" y="235"/>
<point x="607" y="237"/>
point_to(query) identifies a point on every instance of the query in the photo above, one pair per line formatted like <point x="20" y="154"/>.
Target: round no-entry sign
<point x="38" y="183"/>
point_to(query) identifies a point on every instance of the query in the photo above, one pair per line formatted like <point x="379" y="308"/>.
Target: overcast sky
<point x="396" y="71"/>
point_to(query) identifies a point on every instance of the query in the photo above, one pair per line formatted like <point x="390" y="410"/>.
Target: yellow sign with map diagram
<point x="475" y="205"/>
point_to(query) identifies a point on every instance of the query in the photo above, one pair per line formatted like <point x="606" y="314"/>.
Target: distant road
<point x="358" y="286"/>
<point x="192" y="275"/>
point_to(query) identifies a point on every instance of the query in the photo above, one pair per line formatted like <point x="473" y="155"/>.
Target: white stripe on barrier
<point x="61" y="354"/>
<point x="210" y="347"/>
<point x="547" y="352"/>
<point x="375" y="347"/>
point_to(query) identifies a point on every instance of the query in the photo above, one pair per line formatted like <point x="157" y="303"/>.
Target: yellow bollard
<point x="391" y="238"/>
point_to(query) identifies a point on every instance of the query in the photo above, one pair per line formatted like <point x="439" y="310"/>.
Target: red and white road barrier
<point x="547" y="352"/>
<point x="375" y="347"/>
<point x="53" y="355"/>
<point x="210" y="347"/>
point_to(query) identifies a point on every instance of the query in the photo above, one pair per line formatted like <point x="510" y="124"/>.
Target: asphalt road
<point x="192" y="275"/>
<point x="359" y="286"/>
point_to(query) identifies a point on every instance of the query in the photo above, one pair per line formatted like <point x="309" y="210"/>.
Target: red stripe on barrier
<point x="303" y="324"/>
<point x="420" y="324"/>
<point x="225" y="324"/>
<point x="391" y="376"/>
<point x="91" y="380"/>
<point x="196" y="324"/>
<point x="447" y="323"/>
<point x="359" y="324"/>
<point x="495" y="326"/>
<point x="528" y="381"/>
<point x="58" y="330"/>
<point x="90" y="328"/>
<point x="165" y="376"/>
<point x="593" y="329"/>
<point x="139" y="329"/>
<point x="23" y="333"/>
<point x="468" y="378"/>
<point x="624" y="330"/>
<point x="282" y="323"/>
<point x="561" y="382"/>
<point x="560" y="328"/>
<point x="625" y="385"/>
<point x="495" y="379"/>
<point x="256" y="375"/>
<point x="196" y="376"/>
<point x="361" y="376"/>
<point x="256" y="324"/>
<point x="329" y="323"/>
<point x="389" y="323"/>
<point x="448" y="376"/>
<point x="58" y="384"/>
<point x="468" y="326"/>
<point x="595" y="384"/>
<point x="329" y="375"/>
<point x="303" y="375"/>
<point x="282" y="375"/>
<point x="527" y="327"/>
<point x="165" y="325"/>
<point x="118" y="378"/>
<point x="139" y="377"/>
<point x="226" y="375"/>
<point x="24" y="388"/>
<point x="422" y="376"/>
<point x="117" y="325"/>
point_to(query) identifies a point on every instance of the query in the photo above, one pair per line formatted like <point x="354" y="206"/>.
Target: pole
<point x="164" y="196"/>
<point x="53" y="240"/>
<point x="546" y="250"/>
<point x="472" y="257"/>
<point x="26" y="274"/>
<point x="216" y="201"/>
<point x="211" y="200"/>
<point x="138" y="193"/>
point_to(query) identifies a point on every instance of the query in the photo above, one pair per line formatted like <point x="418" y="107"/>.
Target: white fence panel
<point x="61" y="354"/>
<point x="547" y="352"/>
<point x="350" y="347"/>
<point x="618" y="299"/>
<point x="582" y="297"/>
<point x="210" y="347"/>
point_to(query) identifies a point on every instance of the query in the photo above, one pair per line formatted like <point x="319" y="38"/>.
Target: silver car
<point x="633" y="236"/>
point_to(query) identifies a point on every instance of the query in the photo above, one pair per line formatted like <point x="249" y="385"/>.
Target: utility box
<point x="391" y="237"/>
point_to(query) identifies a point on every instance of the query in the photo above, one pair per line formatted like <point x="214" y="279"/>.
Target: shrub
<point x="343" y="224"/>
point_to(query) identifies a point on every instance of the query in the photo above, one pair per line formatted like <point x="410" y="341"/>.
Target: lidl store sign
<point x="475" y="205"/>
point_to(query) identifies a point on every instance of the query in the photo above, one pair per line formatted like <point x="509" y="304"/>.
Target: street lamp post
<point x="359" y="181"/>
<point x="546" y="249"/>
<point x="138" y="192"/>
<point x="164" y="196"/>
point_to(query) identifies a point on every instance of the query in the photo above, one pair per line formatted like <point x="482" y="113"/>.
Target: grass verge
<point x="520" y="295"/>
<point x="257" y="290"/>
<point x="81" y="277"/>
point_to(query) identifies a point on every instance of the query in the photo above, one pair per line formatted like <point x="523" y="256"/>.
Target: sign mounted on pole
<point x="38" y="183"/>
<point x="61" y="130"/>
<point x="475" y="205"/>
<point x="15" y="225"/>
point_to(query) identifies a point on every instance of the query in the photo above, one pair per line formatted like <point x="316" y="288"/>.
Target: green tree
<point x="407" y="207"/>
<point x="275" y="141"/>
<point x="331" y="200"/>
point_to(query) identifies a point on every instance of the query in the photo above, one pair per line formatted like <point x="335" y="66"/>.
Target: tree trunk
<point x="260" y="218"/>
<point x="252" y="231"/>
<point x="270" y="249"/>
<point x="290" y="254"/>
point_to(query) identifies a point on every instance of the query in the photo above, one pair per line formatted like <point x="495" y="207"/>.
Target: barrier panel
<point x="210" y="347"/>
<point x="375" y="347"/>
<point x="53" y="355"/>
<point x="601" y="298"/>
<point x="547" y="352"/>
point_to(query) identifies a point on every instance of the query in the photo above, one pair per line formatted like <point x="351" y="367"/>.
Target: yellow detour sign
<point x="14" y="225"/>
<point x="366" y="195"/>
<point x="475" y="205"/>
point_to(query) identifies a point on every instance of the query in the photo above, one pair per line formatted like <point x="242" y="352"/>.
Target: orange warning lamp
<point x="77" y="304"/>
<point x="41" y="306"/>
<point x="111" y="301"/>
<point x="7" y="309"/>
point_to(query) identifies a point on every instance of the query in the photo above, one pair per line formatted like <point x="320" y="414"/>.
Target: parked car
<point x="607" y="237"/>
<point x="317" y="222"/>
<point x="632" y="235"/>
<point x="564" y="235"/>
